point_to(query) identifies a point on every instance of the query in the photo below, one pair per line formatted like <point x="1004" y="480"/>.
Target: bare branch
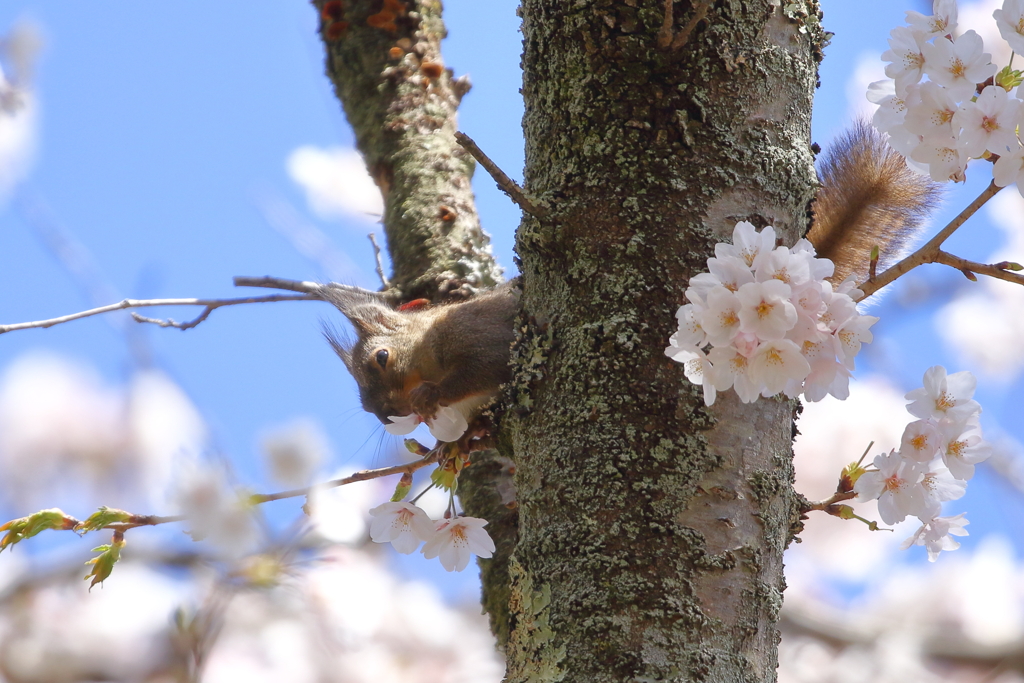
<point x="314" y="288"/>
<point x="269" y="282"/>
<point x="380" y="265"/>
<point x="929" y="253"/>
<point x="965" y="266"/>
<point x="505" y="184"/>
<point x="363" y="475"/>
<point x="145" y="303"/>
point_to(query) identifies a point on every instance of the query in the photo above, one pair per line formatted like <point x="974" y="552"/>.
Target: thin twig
<point x="145" y="520"/>
<point x="269" y="282"/>
<point x="832" y="500"/>
<point x="380" y="264"/>
<point x="314" y="288"/>
<point x="144" y="303"/>
<point x="929" y="253"/>
<point x="363" y="475"/>
<point x="965" y="266"/>
<point x="505" y="184"/>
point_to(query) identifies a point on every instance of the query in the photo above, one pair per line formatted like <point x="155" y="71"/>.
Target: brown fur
<point x="869" y="197"/>
<point x="436" y="355"/>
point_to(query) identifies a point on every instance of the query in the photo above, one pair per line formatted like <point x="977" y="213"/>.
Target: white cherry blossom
<point x="456" y="539"/>
<point x="944" y="158"/>
<point x="936" y="535"/>
<point x="697" y="369"/>
<point x="988" y="123"/>
<point x="1009" y="169"/>
<point x="819" y="268"/>
<point x="722" y="319"/>
<point x="401" y="425"/>
<point x="775" y="363"/>
<point x="944" y="396"/>
<point x="905" y="54"/>
<point x="959" y="66"/>
<point x="896" y="483"/>
<point x="729" y="371"/>
<point x="780" y="264"/>
<point x="1010" y="20"/>
<point x="940" y="23"/>
<point x="892" y="107"/>
<point x="401" y="524"/>
<point x="690" y="332"/>
<point x="766" y="309"/>
<point x="448" y="424"/>
<point x="747" y="244"/>
<point x="921" y="441"/>
<point x="851" y="334"/>
<point x="963" y="448"/>
<point x="937" y="487"/>
<point x="742" y="319"/>
<point x="732" y="272"/>
<point x="930" y="111"/>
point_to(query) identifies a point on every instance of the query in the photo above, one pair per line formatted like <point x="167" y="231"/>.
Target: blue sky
<point x="162" y="128"/>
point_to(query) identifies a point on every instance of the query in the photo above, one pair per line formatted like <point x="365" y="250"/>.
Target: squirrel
<point x="418" y="358"/>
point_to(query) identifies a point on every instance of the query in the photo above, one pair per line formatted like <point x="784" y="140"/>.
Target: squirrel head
<point x="382" y="359"/>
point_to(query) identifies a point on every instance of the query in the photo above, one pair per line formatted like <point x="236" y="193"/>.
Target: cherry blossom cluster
<point x="936" y="457"/>
<point x="945" y="103"/>
<point x="447" y="425"/>
<point x="765" y="320"/>
<point x="405" y="526"/>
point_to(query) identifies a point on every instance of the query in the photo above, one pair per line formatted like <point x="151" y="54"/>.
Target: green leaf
<point x="103" y="564"/>
<point x="27" y="527"/>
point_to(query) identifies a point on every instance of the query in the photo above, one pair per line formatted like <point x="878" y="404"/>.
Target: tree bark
<point x="384" y="59"/>
<point x="651" y="529"/>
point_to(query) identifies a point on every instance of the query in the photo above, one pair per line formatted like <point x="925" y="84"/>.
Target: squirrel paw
<point x="425" y="399"/>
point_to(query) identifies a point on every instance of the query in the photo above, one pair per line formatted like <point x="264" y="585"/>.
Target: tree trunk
<point x="651" y="529"/>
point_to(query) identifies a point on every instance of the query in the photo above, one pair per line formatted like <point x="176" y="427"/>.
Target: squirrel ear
<point x="373" y="319"/>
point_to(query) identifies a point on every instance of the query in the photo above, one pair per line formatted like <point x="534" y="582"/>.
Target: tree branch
<point x="505" y="184"/>
<point x="210" y="305"/>
<point x="996" y="270"/>
<point x="929" y="253"/>
<point x="363" y="475"/>
<point x="315" y="288"/>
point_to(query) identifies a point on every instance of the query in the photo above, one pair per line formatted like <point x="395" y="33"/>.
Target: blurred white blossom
<point x="295" y="451"/>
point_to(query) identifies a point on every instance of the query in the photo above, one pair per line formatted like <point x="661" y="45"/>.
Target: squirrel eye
<point x="382" y="358"/>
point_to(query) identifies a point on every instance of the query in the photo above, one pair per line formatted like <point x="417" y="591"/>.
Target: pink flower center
<point x="764" y="309"/>
<point x="989" y="124"/>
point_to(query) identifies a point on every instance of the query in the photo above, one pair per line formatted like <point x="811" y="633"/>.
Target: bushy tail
<point x="869" y="197"/>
